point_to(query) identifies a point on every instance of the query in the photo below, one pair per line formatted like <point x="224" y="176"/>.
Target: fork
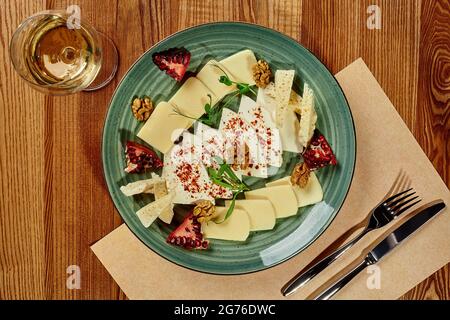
<point x="380" y="216"/>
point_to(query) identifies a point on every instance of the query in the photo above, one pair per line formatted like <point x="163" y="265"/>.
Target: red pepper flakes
<point x="189" y="177"/>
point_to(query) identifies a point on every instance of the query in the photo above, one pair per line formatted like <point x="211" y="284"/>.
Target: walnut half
<point x="204" y="211"/>
<point x="142" y="108"/>
<point x="300" y="175"/>
<point x="262" y="73"/>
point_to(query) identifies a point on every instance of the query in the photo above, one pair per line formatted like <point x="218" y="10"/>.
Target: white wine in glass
<point x="56" y="59"/>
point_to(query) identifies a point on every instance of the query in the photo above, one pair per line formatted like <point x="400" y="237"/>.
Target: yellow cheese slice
<point x="150" y="212"/>
<point x="209" y="75"/>
<point x="283" y="87"/>
<point x="191" y="97"/>
<point x="308" y="117"/>
<point x="163" y="127"/>
<point x="240" y="66"/>
<point x="310" y="194"/>
<point x="282" y="197"/>
<point x="236" y="227"/>
<point x="260" y="212"/>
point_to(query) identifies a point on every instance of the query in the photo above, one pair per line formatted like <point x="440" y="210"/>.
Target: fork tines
<point x="397" y="205"/>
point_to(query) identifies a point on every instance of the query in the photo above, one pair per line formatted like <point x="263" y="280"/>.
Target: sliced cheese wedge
<point x="163" y="127"/>
<point x="312" y="193"/>
<point x="284" y="80"/>
<point x="209" y="75"/>
<point x="308" y="117"/>
<point x="160" y="191"/>
<point x="150" y="212"/>
<point x="240" y="66"/>
<point x="191" y="98"/>
<point x="260" y="120"/>
<point x="260" y="212"/>
<point x="141" y="186"/>
<point x="238" y="133"/>
<point x="289" y="132"/>
<point x="282" y="198"/>
<point x="186" y="175"/>
<point x="236" y="227"/>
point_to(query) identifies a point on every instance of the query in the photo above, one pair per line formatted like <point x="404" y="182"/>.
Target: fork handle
<point x="302" y="278"/>
<point x="333" y="289"/>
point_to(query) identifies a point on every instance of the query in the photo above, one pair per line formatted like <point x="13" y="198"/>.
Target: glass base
<point x="110" y="63"/>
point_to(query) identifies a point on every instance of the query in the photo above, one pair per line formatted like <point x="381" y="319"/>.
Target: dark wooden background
<point x="53" y="201"/>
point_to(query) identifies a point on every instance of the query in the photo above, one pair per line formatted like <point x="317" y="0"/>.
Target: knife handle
<point x="333" y="289"/>
<point x="303" y="278"/>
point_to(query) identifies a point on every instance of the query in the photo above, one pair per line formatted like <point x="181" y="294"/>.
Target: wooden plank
<point x="22" y="251"/>
<point x="432" y="125"/>
<point x="79" y="209"/>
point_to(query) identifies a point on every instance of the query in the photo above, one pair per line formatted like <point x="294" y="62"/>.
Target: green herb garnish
<point x="242" y="88"/>
<point x="225" y="177"/>
<point x="212" y="114"/>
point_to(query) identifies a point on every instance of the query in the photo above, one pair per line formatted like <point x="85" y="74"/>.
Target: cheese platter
<point x="242" y="147"/>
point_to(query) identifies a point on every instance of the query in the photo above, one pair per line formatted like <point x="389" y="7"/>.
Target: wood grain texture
<point x="432" y="113"/>
<point x="53" y="200"/>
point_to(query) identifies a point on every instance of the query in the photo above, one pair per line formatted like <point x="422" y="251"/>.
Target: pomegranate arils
<point x="140" y="158"/>
<point x="174" y="62"/>
<point x="319" y="153"/>
<point x="188" y="234"/>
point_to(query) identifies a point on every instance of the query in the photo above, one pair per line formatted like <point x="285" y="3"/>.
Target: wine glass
<point x="58" y="57"/>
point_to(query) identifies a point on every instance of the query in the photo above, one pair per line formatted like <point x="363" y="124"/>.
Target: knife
<point x="385" y="246"/>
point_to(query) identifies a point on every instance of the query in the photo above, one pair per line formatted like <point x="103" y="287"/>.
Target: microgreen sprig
<point x="242" y="88"/>
<point x="211" y="115"/>
<point x="225" y="177"/>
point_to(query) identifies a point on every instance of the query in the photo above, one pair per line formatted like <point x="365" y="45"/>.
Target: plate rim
<point x="107" y="115"/>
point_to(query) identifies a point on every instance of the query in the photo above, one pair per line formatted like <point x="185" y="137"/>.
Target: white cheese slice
<point x="289" y="131"/>
<point x="166" y="215"/>
<point x="212" y="143"/>
<point x="240" y="66"/>
<point x="282" y="197"/>
<point x="191" y="97"/>
<point x="247" y="110"/>
<point x="186" y="175"/>
<point x="163" y="127"/>
<point x="260" y="212"/>
<point x="189" y="181"/>
<point x="160" y="191"/>
<point x="270" y="91"/>
<point x="141" y="186"/>
<point x="212" y="146"/>
<point x="150" y="212"/>
<point x="237" y="133"/>
<point x="209" y="75"/>
<point x="284" y="80"/>
<point x="269" y="141"/>
<point x="308" y="117"/>
<point x="235" y="228"/>
<point x="312" y="193"/>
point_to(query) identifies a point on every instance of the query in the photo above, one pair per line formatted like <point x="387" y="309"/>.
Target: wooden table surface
<point x="53" y="199"/>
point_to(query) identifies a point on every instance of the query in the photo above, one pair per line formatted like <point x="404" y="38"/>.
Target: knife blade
<point x="385" y="246"/>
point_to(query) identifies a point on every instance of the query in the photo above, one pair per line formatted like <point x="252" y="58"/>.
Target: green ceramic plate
<point x="290" y="236"/>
